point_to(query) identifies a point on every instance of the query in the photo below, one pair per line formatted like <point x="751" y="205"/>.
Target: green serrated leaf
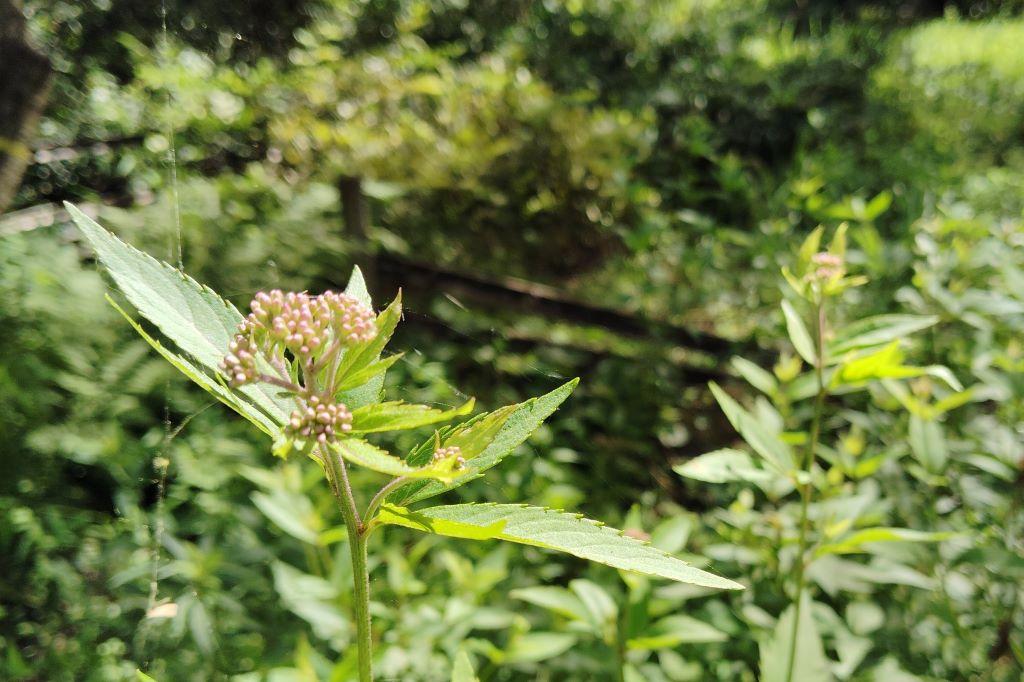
<point x="471" y="437"/>
<point x="513" y="428"/>
<point x="371" y="457"/>
<point x="199" y="321"/>
<point x="235" y="401"/>
<point x="396" y="415"/>
<point x="551" y="529"/>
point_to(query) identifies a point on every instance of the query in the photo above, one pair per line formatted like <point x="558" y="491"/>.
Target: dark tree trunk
<point x="355" y="213"/>
<point x="25" y="77"/>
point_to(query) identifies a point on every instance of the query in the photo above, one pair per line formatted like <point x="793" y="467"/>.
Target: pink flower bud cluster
<point x="240" y="363"/>
<point x="307" y="326"/>
<point x="296" y="321"/>
<point x="455" y="451"/>
<point x="828" y="265"/>
<point x="352" y="321"/>
<point x="320" y="420"/>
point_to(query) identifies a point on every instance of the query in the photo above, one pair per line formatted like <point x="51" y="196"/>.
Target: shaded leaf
<point x="555" y="599"/>
<point x="672" y="631"/>
<point x="809" y="661"/>
<point x="928" y="444"/>
<point x="758" y="436"/>
<point x="798" y="334"/>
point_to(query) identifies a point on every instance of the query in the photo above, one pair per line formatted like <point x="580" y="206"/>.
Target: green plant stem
<point x="620" y="647"/>
<point x="360" y="574"/>
<point x="371" y="508"/>
<point x="805" y="487"/>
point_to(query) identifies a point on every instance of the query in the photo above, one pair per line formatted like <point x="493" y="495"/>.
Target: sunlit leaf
<point x="397" y="416"/>
<point x="872" y="332"/>
<point x="551" y="529"/>
<point x="855" y="542"/>
<point x="488" y="438"/>
<point x="371" y="457"/>
<point x="724" y="466"/>
<point x="199" y="321"/>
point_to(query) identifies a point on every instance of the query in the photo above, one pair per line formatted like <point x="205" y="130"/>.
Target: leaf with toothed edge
<point x="371" y="457"/>
<point x="199" y="321"/>
<point x="513" y="423"/>
<point x="208" y="383"/>
<point x="396" y="415"/>
<point x="358" y="357"/>
<point x="550" y="529"/>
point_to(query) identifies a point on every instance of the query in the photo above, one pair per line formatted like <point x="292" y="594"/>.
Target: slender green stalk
<point x="805" y="487"/>
<point x="375" y="503"/>
<point x="360" y="574"/>
<point x="620" y="646"/>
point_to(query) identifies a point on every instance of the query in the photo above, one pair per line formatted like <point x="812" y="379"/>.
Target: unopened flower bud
<point x="441" y="454"/>
<point x="829" y="265"/>
<point x="352" y="321"/>
<point x="239" y="365"/>
<point x="320" y="420"/>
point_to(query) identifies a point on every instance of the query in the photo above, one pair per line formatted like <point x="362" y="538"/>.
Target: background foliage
<point x="661" y="158"/>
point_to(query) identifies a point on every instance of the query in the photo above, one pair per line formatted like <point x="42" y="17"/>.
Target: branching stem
<point x="371" y="508"/>
<point x="278" y="381"/>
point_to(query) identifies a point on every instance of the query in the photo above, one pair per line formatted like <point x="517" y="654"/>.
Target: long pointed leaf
<point x="551" y="529"/>
<point x="199" y="321"/>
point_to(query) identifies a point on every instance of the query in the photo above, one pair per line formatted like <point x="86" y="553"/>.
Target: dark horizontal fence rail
<point x="508" y="293"/>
